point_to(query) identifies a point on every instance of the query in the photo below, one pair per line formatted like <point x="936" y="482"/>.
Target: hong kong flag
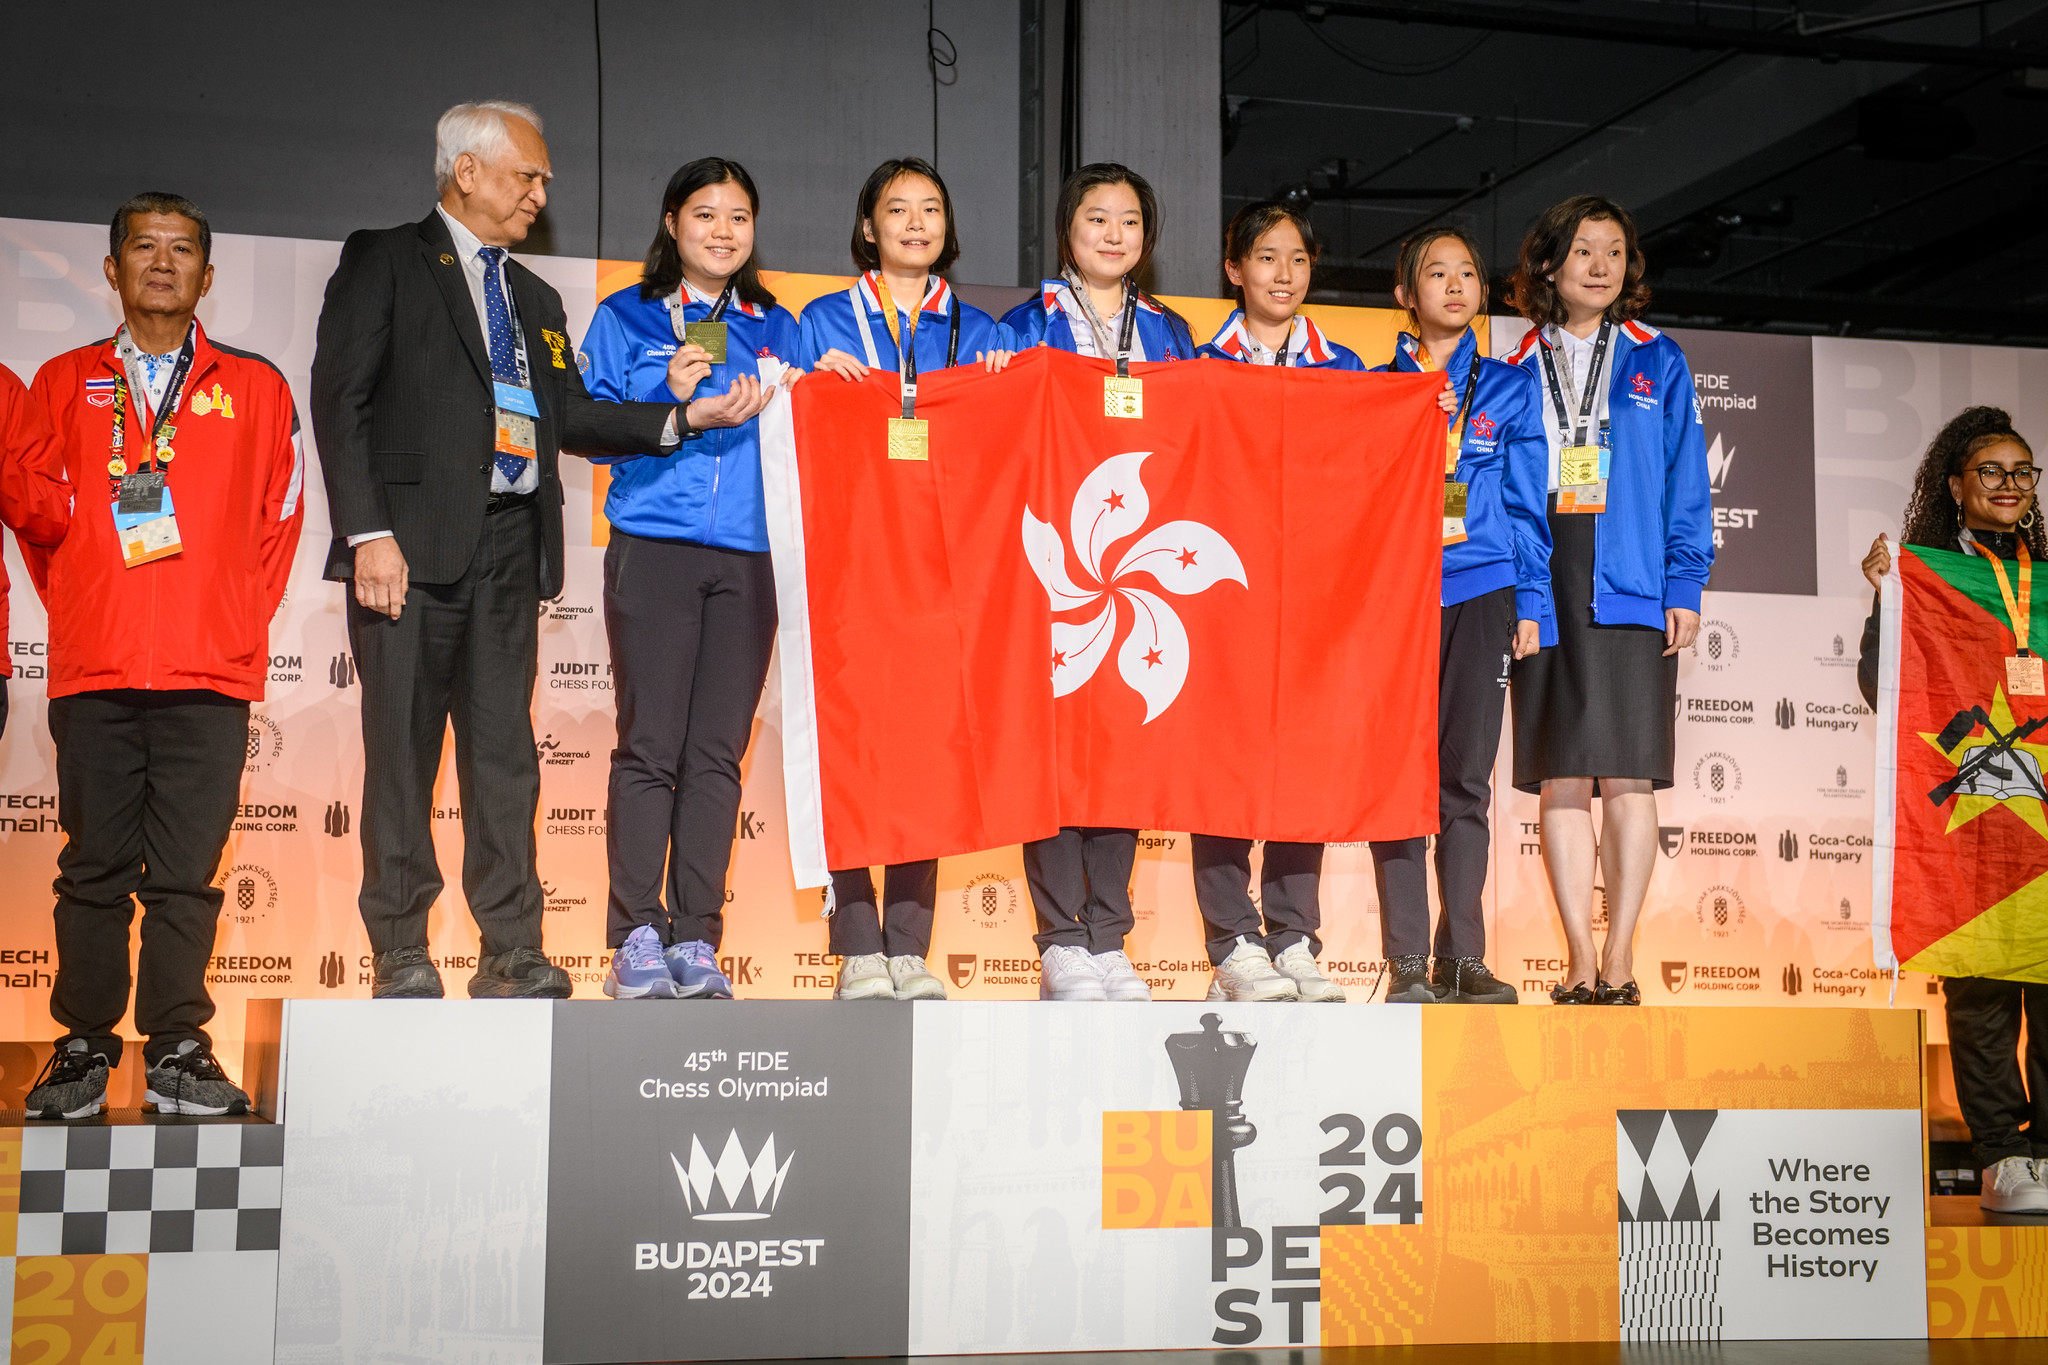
<point x="1219" y="617"/>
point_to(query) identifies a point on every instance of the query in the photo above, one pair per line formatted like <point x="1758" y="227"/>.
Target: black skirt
<point x="1601" y="702"/>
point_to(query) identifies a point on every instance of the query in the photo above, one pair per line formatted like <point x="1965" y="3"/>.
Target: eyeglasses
<point x="1995" y="477"/>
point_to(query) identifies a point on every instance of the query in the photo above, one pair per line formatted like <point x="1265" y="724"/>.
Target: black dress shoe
<point x="1466" y="981"/>
<point x="405" y="974"/>
<point x="1408" y="981"/>
<point x="1562" y="994"/>
<point x="1624" y="994"/>
<point x="522" y="974"/>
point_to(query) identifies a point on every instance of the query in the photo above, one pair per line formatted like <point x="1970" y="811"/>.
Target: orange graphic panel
<point x="1519" y="1239"/>
<point x="75" y="1310"/>
<point x="1156" y="1169"/>
<point x="10" y="1187"/>
<point x="1987" y="1282"/>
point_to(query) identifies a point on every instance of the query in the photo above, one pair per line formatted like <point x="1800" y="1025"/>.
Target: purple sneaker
<point x="638" y="971"/>
<point x="694" y="965"/>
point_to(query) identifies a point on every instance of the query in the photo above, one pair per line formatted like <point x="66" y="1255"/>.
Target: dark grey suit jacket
<point x="402" y="403"/>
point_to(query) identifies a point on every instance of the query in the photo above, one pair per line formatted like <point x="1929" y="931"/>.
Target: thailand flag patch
<point x="100" y="392"/>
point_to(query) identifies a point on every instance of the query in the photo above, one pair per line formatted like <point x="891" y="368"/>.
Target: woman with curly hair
<point x="1974" y="493"/>
<point x="1631" y="545"/>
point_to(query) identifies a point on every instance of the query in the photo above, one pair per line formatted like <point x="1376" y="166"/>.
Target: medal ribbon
<point x="677" y="322"/>
<point x="2020" y="608"/>
<point x="1554" y="356"/>
<point x="174" y="397"/>
<point x="906" y="340"/>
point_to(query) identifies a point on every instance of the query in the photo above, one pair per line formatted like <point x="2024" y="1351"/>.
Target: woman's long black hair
<point x="663" y="272"/>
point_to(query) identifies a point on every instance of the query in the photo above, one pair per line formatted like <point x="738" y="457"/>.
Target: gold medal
<point x="165" y="454"/>
<point x="1578" y="466"/>
<point x="1123" y="396"/>
<point x="117" y="466"/>
<point x="710" y="336"/>
<point x="909" y="438"/>
<point x="1455" y="497"/>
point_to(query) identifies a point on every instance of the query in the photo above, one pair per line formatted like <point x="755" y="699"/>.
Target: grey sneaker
<point x="914" y="980"/>
<point x="864" y="976"/>
<point x="190" y="1081"/>
<point x="71" y="1085"/>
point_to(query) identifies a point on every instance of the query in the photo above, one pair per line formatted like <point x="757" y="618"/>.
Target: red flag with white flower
<point x="1220" y="617"/>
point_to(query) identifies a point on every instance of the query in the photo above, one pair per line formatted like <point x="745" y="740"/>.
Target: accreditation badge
<point x="1583" y="498"/>
<point x="1455" y="496"/>
<point x="710" y="336"/>
<point x="1579" y="466"/>
<point x="516" y="411"/>
<point x="147" y="535"/>
<point x="1123" y="396"/>
<point x="2024" y="676"/>
<point x="1453" y="444"/>
<point x="910" y="438"/>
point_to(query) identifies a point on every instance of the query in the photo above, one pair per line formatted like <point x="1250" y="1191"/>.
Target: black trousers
<point x="3" y="705"/>
<point x="902" y="925"/>
<point x="464" y="651"/>
<point x="1290" y="885"/>
<point x="2007" y="1112"/>
<point x="1474" y="648"/>
<point x="1080" y="883"/>
<point x="147" y="784"/>
<point x="691" y="628"/>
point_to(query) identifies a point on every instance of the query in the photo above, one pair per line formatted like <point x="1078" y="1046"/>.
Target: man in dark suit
<point x="443" y="385"/>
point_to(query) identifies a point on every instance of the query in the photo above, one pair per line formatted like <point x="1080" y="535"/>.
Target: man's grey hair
<point x="478" y="129"/>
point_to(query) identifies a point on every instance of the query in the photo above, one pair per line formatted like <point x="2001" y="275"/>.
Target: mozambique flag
<point x="1961" y="872"/>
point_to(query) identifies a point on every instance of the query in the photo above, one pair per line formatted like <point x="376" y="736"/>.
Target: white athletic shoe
<point x="1069" y="973"/>
<point x="1248" y="975"/>
<point x="2014" y="1185"/>
<point x="1298" y="965"/>
<point x="914" y="980"/>
<point x="865" y="976"/>
<point x="1120" y="980"/>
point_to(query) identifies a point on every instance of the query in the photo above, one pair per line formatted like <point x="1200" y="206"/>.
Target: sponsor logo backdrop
<point x="1762" y="892"/>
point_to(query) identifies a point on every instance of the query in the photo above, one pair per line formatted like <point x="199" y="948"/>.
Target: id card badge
<point x="2025" y="677"/>
<point x="147" y="536"/>
<point x="516" y="411"/>
<point x="1580" y="466"/>
<point x="1123" y="396"/>
<point x="142" y="494"/>
<point x="1455" y="498"/>
<point x="910" y="438"/>
<point x="709" y="335"/>
<point x="1582" y="498"/>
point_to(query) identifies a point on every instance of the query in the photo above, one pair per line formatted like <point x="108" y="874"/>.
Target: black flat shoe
<point x="1571" y="995"/>
<point x="1624" y="994"/>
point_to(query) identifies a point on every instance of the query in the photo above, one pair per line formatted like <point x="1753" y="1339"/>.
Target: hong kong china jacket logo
<point x="1181" y="557"/>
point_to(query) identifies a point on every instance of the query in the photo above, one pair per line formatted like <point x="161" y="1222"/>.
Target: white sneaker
<point x="865" y="976"/>
<point x="913" y="980"/>
<point x="1120" y="980"/>
<point x="1298" y="965"/>
<point x="1069" y="973"/>
<point x="1248" y="975"/>
<point x="2014" y="1185"/>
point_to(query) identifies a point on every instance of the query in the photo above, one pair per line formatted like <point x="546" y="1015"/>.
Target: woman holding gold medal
<point x="689" y="597"/>
<point x="903" y="243"/>
<point x="1633" y="543"/>
<point x="1108" y="221"/>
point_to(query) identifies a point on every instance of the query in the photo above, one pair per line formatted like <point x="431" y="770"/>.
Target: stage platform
<point x="482" y="1183"/>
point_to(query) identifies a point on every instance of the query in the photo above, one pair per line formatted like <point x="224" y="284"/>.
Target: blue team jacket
<point x="1307" y="347"/>
<point x="829" y="323"/>
<point x="1505" y="466"/>
<point x="1043" y="321"/>
<point x="709" y="490"/>
<point x="1654" y="545"/>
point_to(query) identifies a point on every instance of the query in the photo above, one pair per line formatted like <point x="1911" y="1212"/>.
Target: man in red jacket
<point x="186" y="458"/>
<point x="35" y="502"/>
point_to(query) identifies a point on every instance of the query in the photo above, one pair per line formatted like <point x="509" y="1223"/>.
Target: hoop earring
<point x="2027" y="521"/>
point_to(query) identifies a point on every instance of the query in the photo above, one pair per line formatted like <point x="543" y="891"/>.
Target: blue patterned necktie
<point x="503" y="341"/>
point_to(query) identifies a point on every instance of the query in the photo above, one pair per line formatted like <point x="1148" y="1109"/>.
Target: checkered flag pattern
<point x="132" y="1189"/>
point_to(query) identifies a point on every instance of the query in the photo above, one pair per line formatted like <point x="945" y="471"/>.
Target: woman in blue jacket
<point x="1267" y="951"/>
<point x="1496" y="606"/>
<point x="903" y="243"/>
<point x="689" y="597"/>
<point x="1633" y="535"/>
<point x="1080" y="878"/>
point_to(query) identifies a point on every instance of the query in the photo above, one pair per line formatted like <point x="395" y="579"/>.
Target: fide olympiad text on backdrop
<point x="1762" y="889"/>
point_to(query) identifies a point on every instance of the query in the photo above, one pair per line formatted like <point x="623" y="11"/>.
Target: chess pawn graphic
<point x="1209" y="1067"/>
